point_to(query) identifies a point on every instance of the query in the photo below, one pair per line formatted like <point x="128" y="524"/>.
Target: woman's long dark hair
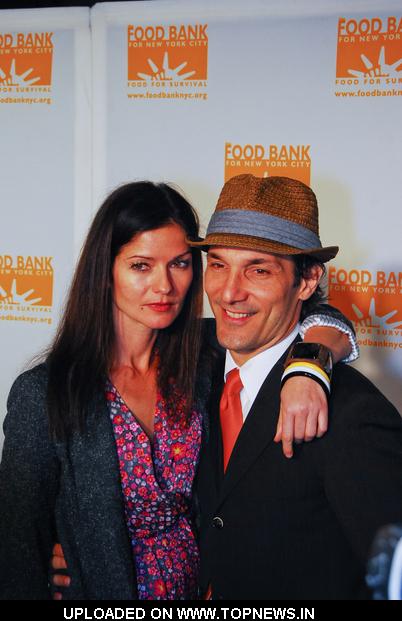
<point x="81" y="355"/>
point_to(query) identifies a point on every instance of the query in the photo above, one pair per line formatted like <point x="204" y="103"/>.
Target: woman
<point x="78" y="466"/>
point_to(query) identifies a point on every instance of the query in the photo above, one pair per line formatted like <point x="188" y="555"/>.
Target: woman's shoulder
<point x="30" y="384"/>
<point x="26" y="422"/>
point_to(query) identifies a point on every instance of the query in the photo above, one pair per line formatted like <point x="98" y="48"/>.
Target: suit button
<point x="217" y="522"/>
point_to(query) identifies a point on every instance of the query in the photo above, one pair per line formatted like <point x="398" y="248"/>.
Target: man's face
<point x="254" y="299"/>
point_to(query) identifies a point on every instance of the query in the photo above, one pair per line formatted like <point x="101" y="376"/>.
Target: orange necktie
<point x="230" y="413"/>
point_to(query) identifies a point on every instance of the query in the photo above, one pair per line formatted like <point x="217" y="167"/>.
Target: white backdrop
<point x="193" y="92"/>
<point x="45" y="164"/>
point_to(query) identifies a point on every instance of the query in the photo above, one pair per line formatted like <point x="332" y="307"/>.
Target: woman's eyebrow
<point x="140" y="256"/>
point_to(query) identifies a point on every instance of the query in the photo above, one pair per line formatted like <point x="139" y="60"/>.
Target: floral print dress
<point x="156" y="481"/>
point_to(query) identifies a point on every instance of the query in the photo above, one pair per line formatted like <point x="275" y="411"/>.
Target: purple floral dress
<point x="156" y="481"/>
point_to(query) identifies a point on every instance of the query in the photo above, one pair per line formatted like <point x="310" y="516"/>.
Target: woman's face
<point x="151" y="276"/>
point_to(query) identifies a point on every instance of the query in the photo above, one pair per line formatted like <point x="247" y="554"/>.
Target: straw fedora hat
<point x="278" y="215"/>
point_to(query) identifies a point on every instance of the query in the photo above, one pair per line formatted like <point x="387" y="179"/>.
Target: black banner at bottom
<point x="205" y="611"/>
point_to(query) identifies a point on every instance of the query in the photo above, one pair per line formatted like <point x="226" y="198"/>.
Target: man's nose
<point x="233" y="289"/>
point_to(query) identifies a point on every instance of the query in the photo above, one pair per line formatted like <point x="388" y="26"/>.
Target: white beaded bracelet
<point x="320" y="320"/>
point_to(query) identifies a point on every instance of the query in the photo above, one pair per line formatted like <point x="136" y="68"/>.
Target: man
<point x="58" y="560"/>
<point x="273" y="528"/>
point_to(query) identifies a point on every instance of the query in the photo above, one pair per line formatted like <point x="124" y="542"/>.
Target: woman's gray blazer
<point x="68" y="492"/>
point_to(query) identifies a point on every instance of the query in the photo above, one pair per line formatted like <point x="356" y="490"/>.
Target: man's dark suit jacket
<point x="300" y="528"/>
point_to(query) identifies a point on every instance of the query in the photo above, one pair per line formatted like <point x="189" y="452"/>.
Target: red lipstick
<point x="160" y="307"/>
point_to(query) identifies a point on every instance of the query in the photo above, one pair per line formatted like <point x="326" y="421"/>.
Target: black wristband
<point x="305" y="374"/>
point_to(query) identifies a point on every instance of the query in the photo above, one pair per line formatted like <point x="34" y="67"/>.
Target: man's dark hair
<point x="303" y="264"/>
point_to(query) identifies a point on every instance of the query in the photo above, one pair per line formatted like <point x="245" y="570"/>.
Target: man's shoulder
<point x="345" y="374"/>
<point x="351" y="388"/>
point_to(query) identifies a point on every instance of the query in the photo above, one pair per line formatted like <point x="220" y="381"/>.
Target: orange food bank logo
<point x="273" y="159"/>
<point x="26" y="288"/>
<point x="369" y="56"/>
<point x="26" y="62"/>
<point x="169" y="59"/>
<point x="372" y="300"/>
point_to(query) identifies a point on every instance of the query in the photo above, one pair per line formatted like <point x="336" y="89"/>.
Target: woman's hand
<point x="59" y="562"/>
<point x="304" y="406"/>
<point x="303" y="414"/>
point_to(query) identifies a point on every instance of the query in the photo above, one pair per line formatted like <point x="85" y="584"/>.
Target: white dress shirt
<point x="255" y="370"/>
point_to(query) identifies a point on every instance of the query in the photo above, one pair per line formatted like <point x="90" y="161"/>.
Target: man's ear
<point x="310" y="282"/>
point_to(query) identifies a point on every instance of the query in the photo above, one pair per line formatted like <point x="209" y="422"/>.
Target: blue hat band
<point x="265" y="226"/>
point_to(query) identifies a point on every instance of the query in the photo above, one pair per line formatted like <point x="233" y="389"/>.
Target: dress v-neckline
<point x="151" y="438"/>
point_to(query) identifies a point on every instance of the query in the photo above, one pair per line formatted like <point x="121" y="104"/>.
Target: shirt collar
<point x="255" y="370"/>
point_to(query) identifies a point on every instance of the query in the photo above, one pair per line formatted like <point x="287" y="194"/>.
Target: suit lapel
<point x="215" y="448"/>
<point x="258" y="430"/>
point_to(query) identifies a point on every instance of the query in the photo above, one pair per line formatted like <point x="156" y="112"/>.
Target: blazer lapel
<point x="258" y="430"/>
<point x="102" y="532"/>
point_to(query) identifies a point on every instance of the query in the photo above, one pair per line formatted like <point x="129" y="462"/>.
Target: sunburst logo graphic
<point x="378" y="69"/>
<point x="374" y="319"/>
<point x="26" y="60"/>
<point x="13" y="297"/>
<point x="12" y="78"/>
<point x="369" y="54"/>
<point x="165" y="72"/>
<point x="26" y="281"/>
<point x="372" y="300"/>
<point x="167" y="53"/>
